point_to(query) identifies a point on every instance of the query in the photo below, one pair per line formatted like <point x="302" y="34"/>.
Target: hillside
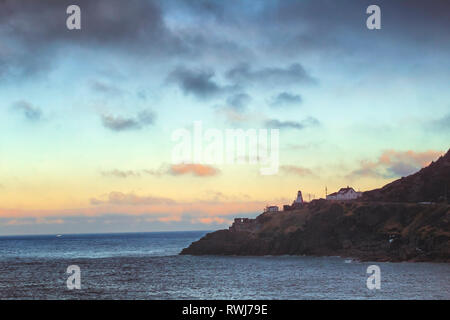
<point x="387" y="224"/>
<point x="430" y="184"/>
<point x="368" y="231"/>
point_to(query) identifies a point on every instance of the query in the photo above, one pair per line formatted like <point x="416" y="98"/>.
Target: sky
<point x="87" y="116"/>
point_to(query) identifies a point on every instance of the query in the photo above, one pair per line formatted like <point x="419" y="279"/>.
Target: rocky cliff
<point x="388" y="224"/>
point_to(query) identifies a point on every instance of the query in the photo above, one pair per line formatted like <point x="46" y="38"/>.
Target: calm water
<point x="146" y="266"/>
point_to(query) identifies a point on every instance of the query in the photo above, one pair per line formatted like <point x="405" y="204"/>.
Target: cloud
<point x="31" y="221"/>
<point x="163" y="169"/>
<point x="366" y="169"/>
<point x="105" y="88"/>
<point x="232" y="115"/>
<point x="402" y="169"/>
<point x="298" y="125"/>
<point x="212" y="220"/>
<point x="109" y="223"/>
<point x="120" y="173"/>
<point x="293" y="74"/>
<point x="198" y="170"/>
<point x="392" y="163"/>
<point x="32" y="32"/>
<point x="441" y="124"/>
<point x="304" y="146"/>
<point x="238" y="101"/>
<point x="417" y="158"/>
<point x="119" y="198"/>
<point x="198" y="82"/>
<point x="325" y="27"/>
<point x="117" y="123"/>
<point x="286" y="98"/>
<point x="29" y="111"/>
<point x="296" y="170"/>
<point x="120" y="211"/>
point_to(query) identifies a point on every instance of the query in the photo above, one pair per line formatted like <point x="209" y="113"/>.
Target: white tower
<point x="299" y="199"/>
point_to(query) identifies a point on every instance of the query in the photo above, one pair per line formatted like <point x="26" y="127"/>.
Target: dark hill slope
<point x="430" y="184"/>
<point x="387" y="224"/>
<point x="368" y="231"/>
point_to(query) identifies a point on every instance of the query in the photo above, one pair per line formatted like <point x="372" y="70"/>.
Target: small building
<point x="243" y="224"/>
<point x="296" y="204"/>
<point x="271" y="209"/>
<point x="344" y="194"/>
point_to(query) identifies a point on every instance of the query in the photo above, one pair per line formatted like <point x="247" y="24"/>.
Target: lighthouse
<point x="299" y="199"/>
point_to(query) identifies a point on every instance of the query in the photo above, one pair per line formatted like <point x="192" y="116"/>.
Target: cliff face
<point x="387" y="224"/>
<point x="368" y="231"/>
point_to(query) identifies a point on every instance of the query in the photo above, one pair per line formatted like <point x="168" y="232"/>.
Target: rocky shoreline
<point x="367" y="231"/>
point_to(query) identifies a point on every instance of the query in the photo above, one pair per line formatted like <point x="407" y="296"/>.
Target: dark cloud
<point x="299" y="125"/>
<point x="117" y="123"/>
<point x="292" y="74"/>
<point x="199" y="83"/>
<point x="29" y="111"/>
<point x="285" y="98"/>
<point x="218" y="10"/>
<point x="238" y="101"/>
<point x="339" y="27"/>
<point x="105" y="88"/>
<point x="103" y="22"/>
<point x="32" y="31"/>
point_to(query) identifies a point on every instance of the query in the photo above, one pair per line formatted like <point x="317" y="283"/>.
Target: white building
<point x="344" y="194"/>
<point x="271" y="209"/>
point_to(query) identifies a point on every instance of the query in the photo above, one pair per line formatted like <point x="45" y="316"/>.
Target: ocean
<point x="147" y="266"/>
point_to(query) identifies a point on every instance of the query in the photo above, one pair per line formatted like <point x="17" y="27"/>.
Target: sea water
<point x="147" y="266"/>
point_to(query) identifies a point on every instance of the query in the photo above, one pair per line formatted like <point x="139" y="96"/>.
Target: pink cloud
<point x="198" y="170"/>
